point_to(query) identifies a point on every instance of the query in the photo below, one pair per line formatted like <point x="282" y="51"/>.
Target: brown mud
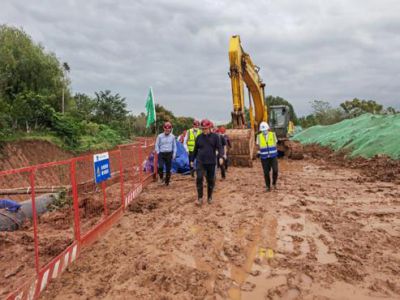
<point x="379" y="167"/>
<point x="330" y="231"/>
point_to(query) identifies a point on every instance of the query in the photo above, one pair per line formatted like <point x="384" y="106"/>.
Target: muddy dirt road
<point x="324" y="234"/>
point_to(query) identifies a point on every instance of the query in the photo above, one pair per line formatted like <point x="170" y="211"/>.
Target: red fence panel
<point x="55" y="219"/>
<point x="68" y="211"/>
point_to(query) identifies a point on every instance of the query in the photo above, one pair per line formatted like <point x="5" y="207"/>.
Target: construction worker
<point x="228" y="145"/>
<point x="268" y="152"/>
<point x="189" y="141"/>
<point x="223" y="154"/>
<point x="206" y="146"/>
<point x="166" y="150"/>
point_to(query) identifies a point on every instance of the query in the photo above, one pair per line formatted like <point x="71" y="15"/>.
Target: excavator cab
<point x="279" y="120"/>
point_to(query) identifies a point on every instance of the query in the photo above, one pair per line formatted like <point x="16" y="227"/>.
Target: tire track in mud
<point x="321" y="235"/>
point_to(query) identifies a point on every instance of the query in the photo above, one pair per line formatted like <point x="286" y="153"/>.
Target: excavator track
<point x="292" y="149"/>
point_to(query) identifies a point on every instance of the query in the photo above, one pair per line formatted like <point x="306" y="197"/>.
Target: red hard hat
<point x="167" y="125"/>
<point x="196" y="123"/>
<point x="205" y="123"/>
<point x="222" y="129"/>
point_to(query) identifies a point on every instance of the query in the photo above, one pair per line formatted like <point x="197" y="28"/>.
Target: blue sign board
<point x="102" y="169"/>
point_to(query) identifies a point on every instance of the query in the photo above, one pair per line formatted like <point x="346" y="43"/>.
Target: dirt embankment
<point x="328" y="232"/>
<point x="26" y="153"/>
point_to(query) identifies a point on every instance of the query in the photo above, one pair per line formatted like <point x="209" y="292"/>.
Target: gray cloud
<point x="330" y="50"/>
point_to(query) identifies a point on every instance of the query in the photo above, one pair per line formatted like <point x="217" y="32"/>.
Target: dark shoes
<point x="273" y="188"/>
<point x="200" y="201"/>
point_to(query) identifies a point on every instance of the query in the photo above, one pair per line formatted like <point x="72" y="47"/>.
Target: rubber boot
<point x="167" y="178"/>
<point x="161" y="175"/>
<point x="210" y="188"/>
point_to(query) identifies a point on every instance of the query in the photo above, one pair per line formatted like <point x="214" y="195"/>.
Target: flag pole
<point x="154" y="107"/>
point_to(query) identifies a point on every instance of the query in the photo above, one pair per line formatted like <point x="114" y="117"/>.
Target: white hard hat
<point x="264" y="126"/>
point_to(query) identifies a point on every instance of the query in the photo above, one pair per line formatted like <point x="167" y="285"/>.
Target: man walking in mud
<point x="206" y="146"/>
<point x="268" y="152"/>
<point x="166" y="150"/>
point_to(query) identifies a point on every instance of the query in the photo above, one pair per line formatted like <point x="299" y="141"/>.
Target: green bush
<point x="67" y="129"/>
<point x="89" y="128"/>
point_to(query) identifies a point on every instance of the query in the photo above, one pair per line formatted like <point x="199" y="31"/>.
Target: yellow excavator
<point x="244" y="71"/>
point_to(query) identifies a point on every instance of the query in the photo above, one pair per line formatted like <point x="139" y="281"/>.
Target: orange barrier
<point x="38" y="252"/>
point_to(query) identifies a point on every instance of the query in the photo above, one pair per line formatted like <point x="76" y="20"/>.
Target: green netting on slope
<point x="365" y="136"/>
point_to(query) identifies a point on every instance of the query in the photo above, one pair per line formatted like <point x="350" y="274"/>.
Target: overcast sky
<point x="330" y="50"/>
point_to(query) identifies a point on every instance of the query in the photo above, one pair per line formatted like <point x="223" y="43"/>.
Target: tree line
<point x="324" y="114"/>
<point x="36" y="97"/>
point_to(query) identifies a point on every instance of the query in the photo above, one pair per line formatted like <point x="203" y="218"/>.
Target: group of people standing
<point x="207" y="149"/>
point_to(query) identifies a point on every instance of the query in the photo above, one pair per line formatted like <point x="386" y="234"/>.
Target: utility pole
<point x="66" y="70"/>
<point x="62" y="100"/>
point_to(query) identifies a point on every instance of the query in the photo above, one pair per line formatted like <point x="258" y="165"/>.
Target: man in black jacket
<point x="206" y="146"/>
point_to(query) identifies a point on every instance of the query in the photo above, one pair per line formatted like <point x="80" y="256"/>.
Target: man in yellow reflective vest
<point x="189" y="142"/>
<point x="268" y="152"/>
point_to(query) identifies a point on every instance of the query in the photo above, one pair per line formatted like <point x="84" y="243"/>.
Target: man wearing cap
<point x="223" y="154"/>
<point x="189" y="141"/>
<point x="166" y="150"/>
<point x="228" y="145"/>
<point x="268" y="152"/>
<point x="206" y="146"/>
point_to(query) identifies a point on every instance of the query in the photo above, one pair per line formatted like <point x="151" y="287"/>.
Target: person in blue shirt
<point x="166" y="151"/>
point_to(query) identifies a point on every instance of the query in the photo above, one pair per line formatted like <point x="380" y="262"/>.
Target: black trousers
<point x="207" y="170"/>
<point x="191" y="158"/>
<point x="165" y="158"/>
<point x="268" y="164"/>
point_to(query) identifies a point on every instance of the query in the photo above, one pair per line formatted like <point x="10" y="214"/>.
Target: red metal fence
<point x="77" y="214"/>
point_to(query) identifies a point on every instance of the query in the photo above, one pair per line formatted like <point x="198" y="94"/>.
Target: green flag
<point x="150" y="109"/>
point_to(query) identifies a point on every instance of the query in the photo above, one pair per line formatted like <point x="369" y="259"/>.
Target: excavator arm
<point x="243" y="70"/>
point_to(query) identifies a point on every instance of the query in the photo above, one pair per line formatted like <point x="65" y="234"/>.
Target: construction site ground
<point x="327" y="232"/>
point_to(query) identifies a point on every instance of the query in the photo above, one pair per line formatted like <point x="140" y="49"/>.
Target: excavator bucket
<point x="243" y="147"/>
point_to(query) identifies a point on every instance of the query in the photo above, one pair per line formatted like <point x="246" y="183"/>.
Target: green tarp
<point x="366" y="135"/>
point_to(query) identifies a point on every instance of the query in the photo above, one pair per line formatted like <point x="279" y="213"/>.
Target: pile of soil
<point x="376" y="168"/>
